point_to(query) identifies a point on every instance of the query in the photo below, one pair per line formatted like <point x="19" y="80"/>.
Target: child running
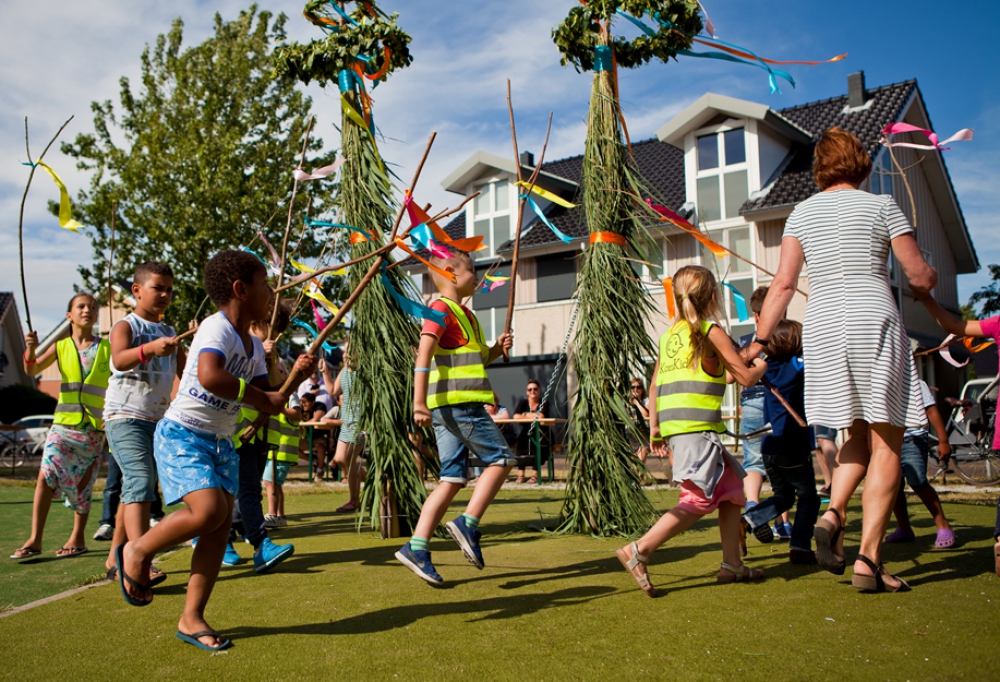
<point x="145" y="358"/>
<point x="75" y="440"/>
<point x="787" y="451"/>
<point x="689" y="381"/>
<point x="452" y="396"/>
<point x="350" y="443"/>
<point x="195" y="457"/>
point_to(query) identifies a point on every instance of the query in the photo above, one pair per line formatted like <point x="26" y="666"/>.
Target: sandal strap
<point x="637" y="558"/>
<point x="205" y="633"/>
<point x="735" y="570"/>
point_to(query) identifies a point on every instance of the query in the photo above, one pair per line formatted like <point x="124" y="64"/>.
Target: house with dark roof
<point x="736" y="169"/>
<point x="11" y="344"/>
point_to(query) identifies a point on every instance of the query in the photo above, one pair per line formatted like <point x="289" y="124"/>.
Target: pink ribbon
<point x="946" y="354"/>
<point x="437" y="249"/>
<point x="319" y="173"/>
<point x="963" y="135"/>
<point x="708" y="22"/>
<point x="319" y="320"/>
<point x="275" y="259"/>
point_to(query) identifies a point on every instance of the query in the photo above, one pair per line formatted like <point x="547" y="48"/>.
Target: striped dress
<point x="858" y="361"/>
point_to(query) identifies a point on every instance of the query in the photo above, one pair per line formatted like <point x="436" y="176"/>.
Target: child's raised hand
<point x="269" y="347"/>
<point x="506" y="341"/>
<point x="166" y="345"/>
<point x="421" y="416"/>
<point x="306" y="364"/>
<point x="31" y="340"/>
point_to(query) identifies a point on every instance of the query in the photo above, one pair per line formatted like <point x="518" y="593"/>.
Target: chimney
<point x="856" y="95"/>
<point x="527" y="159"/>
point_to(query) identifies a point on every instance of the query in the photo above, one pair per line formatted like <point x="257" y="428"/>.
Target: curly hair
<point x="227" y="267"/>
<point x="840" y="157"/>
<point x="144" y="271"/>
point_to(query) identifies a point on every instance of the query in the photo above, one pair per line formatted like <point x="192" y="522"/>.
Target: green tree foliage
<point x="988" y="297"/>
<point x="198" y="159"/>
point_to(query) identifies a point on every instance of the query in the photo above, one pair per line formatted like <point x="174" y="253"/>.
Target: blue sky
<point x="462" y="54"/>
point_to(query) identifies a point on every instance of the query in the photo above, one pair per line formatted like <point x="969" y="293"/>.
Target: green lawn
<point x="545" y="608"/>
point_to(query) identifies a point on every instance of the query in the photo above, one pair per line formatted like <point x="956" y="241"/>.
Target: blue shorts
<point x="753" y="419"/>
<point x="825" y="432"/>
<point x="131" y="443"/>
<point x="463" y="428"/>
<point x="914" y="460"/>
<point x="189" y="460"/>
<point x="282" y="469"/>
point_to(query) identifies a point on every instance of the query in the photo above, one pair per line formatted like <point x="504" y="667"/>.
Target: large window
<point x="556" y="277"/>
<point x="491" y="216"/>
<point x="491" y="307"/>
<point x="722" y="181"/>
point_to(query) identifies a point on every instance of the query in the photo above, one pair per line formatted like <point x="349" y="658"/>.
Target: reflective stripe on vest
<point x="688" y="399"/>
<point x="459" y="374"/>
<point x="81" y="400"/>
<point x="283" y="436"/>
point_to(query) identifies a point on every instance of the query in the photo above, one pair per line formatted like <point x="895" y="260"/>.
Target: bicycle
<point x="970" y="431"/>
<point x="14" y="453"/>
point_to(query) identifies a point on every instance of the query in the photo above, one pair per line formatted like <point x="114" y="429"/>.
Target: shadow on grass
<point x="495" y="608"/>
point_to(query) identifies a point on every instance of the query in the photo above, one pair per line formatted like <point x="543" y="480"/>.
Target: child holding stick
<point x="451" y="396"/>
<point x="75" y="440"/>
<point x="689" y="381"/>
<point x="195" y="457"/>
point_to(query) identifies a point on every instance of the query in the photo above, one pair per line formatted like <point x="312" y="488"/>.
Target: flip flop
<point x="30" y="554"/>
<point x="122" y="577"/>
<point x="70" y="552"/>
<point x="158" y="575"/>
<point x="193" y="639"/>
<point x="945" y="538"/>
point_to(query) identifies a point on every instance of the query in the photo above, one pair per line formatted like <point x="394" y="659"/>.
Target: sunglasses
<point x="532" y="390"/>
<point x="636" y="386"/>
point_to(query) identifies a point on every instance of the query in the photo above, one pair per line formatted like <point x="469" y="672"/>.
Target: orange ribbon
<point x="385" y="66"/>
<point x="752" y="57"/>
<point x="668" y="216"/>
<point x="467" y="244"/>
<point x="357" y="238"/>
<point x="668" y="290"/>
<point x="444" y="273"/>
<point x="967" y="342"/>
<point x="609" y="238"/>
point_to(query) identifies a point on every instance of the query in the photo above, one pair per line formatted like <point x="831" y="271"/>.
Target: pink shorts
<point x="728" y="489"/>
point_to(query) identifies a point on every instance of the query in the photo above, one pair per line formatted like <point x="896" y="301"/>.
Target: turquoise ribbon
<point x="741" y="302"/>
<point x="342" y="13"/>
<point x="409" y="306"/>
<point x="243" y="248"/>
<point x="327" y="346"/>
<point x="534" y="207"/>
<point x="347" y="79"/>
<point x="421" y="236"/>
<point x="602" y="58"/>
<point x="320" y="223"/>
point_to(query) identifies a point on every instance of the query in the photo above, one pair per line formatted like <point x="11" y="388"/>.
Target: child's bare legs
<point x="39" y="512"/>
<point x="272" y="499"/>
<point x="670" y="525"/>
<point x="826" y="455"/>
<point x="436" y="506"/>
<point x="279" y="495"/>
<point x="729" y="532"/>
<point x="349" y="460"/>
<point x="751" y="487"/>
<point x="489" y="484"/>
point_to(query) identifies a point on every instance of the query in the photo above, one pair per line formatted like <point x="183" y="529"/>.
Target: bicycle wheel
<point x="979" y="465"/>
<point x="12" y="455"/>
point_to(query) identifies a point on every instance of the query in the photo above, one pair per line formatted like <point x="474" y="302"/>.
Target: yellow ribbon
<point x="302" y="267"/>
<point x="65" y="208"/>
<point x="547" y="195"/>
<point x="357" y="118"/>
<point x="312" y="291"/>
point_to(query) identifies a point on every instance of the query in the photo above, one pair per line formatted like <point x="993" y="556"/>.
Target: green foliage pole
<point x="197" y="157"/>
<point x="368" y="45"/>
<point x="603" y="493"/>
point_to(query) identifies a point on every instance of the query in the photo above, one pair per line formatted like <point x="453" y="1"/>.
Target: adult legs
<point x="826" y="455"/>
<point x="852" y="465"/>
<point x="881" y="490"/>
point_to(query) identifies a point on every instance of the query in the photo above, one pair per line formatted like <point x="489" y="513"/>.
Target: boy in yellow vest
<point x="452" y="396"/>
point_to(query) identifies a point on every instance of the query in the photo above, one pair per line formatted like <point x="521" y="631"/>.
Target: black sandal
<point x="826" y="537"/>
<point x="123" y="577"/>
<point x="875" y="583"/>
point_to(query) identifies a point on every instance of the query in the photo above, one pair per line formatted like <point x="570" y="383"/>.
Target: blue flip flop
<point x="119" y="560"/>
<point x="193" y="639"/>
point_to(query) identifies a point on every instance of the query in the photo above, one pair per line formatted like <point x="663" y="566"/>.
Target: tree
<point x="209" y="144"/>
<point x="988" y="297"/>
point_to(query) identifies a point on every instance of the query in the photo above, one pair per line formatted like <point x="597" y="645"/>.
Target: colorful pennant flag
<point x="65" y="207"/>
<point x="547" y="195"/>
<point x="319" y="173"/>
<point x="963" y="135"/>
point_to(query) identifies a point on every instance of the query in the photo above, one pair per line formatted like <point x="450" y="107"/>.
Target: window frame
<point x="722" y="169"/>
<point x="472" y="216"/>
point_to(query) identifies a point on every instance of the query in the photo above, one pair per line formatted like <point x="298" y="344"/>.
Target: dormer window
<point x="491" y="215"/>
<point x="722" y="180"/>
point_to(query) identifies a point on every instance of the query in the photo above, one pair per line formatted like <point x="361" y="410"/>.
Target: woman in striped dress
<point x="859" y="366"/>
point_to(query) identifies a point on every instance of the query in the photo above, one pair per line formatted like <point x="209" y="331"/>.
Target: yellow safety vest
<point x="688" y="399"/>
<point x="283" y="438"/>
<point x="82" y="399"/>
<point x="247" y="416"/>
<point x="459" y="374"/>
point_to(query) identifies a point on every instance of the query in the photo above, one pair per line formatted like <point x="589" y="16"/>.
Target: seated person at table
<point x="528" y="408"/>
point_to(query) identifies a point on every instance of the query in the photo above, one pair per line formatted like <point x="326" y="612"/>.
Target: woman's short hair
<point x="840" y="157"/>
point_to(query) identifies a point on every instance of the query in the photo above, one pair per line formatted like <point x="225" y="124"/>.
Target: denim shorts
<point x="189" y="460"/>
<point x="460" y="429"/>
<point x="914" y="460"/>
<point x="282" y="469"/>
<point x="825" y="432"/>
<point x="753" y="419"/>
<point x="131" y="443"/>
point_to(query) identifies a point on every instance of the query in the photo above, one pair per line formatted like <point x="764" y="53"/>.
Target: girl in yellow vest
<point x="695" y="362"/>
<point x="76" y="438"/>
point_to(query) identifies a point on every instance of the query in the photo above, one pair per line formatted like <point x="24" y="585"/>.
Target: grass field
<point x="545" y="608"/>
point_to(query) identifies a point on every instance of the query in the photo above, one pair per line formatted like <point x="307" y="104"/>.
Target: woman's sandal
<point x="826" y="535"/>
<point x="738" y="574"/>
<point x="875" y="583"/>
<point x="532" y="480"/>
<point x="519" y="479"/>
<point x="631" y="563"/>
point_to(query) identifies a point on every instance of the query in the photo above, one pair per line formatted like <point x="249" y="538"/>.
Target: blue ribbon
<point x="409" y="306"/>
<point x="421" y="236"/>
<point x="320" y="223"/>
<point x="741" y="302"/>
<point x="327" y="346"/>
<point x="602" y="58"/>
<point x="646" y="29"/>
<point x="342" y="13"/>
<point x="243" y="248"/>
<point x="347" y="80"/>
<point x="534" y="207"/>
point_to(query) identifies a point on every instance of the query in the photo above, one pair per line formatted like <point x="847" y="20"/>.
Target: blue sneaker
<point x="468" y="539"/>
<point x="419" y="561"/>
<point x="231" y="558"/>
<point x="269" y="555"/>
<point x="783" y="530"/>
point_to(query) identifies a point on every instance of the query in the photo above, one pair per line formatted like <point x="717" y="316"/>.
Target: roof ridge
<point x="911" y="81"/>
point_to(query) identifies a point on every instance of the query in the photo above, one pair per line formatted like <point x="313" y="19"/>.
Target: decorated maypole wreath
<point x="603" y="493"/>
<point x="363" y="47"/>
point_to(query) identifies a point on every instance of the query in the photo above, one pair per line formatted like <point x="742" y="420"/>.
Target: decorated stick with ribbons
<point x="64" y="221"/>
<point x="523" y="192"/>
<point x="374" y="270"/>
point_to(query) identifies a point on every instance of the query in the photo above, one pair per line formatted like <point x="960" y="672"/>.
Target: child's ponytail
<point x="696" y="294"/>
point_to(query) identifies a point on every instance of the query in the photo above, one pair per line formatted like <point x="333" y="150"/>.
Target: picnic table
<point x="322" y="425"/>
<point x="536" y="440"/>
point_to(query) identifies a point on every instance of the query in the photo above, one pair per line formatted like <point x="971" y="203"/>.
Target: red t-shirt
<point x="450" y="335"/>
<point x="991" y="329"/>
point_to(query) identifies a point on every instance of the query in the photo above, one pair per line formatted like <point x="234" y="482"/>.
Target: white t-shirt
<point x="199" y="409"/>
<point x="142" y="392"/>
<point x="928" y="400"/>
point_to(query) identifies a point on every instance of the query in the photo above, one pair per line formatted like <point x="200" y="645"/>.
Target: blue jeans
<point x="131" y="443"/>
<point x="248" y="515"/>
<point x="112" y="496"/>
<point x="465" y="428"/>
<point x="753" y="419"/>
<point x="791" y="476"/>
<point x="914" y="460"/>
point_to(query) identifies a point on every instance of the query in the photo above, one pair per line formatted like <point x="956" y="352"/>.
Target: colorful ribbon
<point x="275" y="258"/>
<point x="963" y="135"/>
<point x="313" y="291"/>
<point x="409" y="306"/>
<point x="602" y="58"/>
<point x="968" y="341"/>
<point x="320" y="223"/>
<point x="251" y="251"/>
<point x="709" y="26"/>
<point x="541" y="216"/>
<point x="302" y="267"/>
<point x="320" y="324"/>
<point x="65" y="207"/>
<point x="547" y="195"/>
<point x="444" y="273"/>
<point x="668" y="291"/>
<point x="740" y="301"/>
<point x="666" y="215"/>
<point x="319" y="173"/>
<point x="609" y="238"/>
<point x="327" y="346"/>
<point x="491" y="282"/>
<point x="419" y="216"/>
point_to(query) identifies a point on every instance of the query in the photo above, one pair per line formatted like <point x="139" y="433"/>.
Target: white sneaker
<point x="271" y="521"/>
<point x="153" y="522"/>
<point x="104" y="532"/>
<point x="282" y="521"/>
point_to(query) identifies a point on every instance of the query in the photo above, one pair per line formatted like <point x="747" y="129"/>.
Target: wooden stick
<point x="906" y="183"/>
<point x="784" y="403"/>
<point x="24" y="198"/>
<point x="957" y="339"/>
<point x="331" y="268"/>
